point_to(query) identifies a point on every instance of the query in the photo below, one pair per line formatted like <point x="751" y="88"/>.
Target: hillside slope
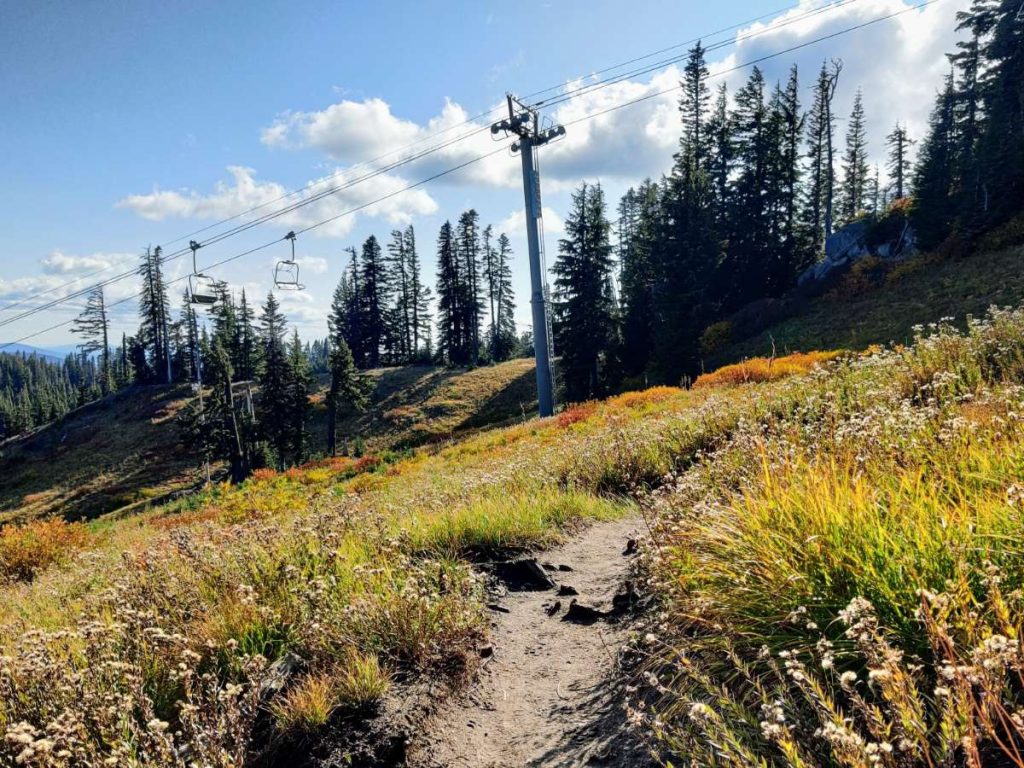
<point x="125" y="450"/>
<point x="879" y="307"/>
<point x="833" y="559"/>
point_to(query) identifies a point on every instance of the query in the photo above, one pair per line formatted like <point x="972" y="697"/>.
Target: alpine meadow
<point x="670" y="415"/>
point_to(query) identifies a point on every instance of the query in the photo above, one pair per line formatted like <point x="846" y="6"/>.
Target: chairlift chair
<point x="202" y="289"/>
<point x="286" y="272"/>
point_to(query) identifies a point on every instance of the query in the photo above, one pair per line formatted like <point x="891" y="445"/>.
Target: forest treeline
<point x="759" y="182"/>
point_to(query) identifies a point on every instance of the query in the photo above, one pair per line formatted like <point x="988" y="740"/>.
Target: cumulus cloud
<point x="514" y="225"/>
<point x="244" y="192"/>
<point x="899" y="62"/>
<point x="63" y="274"/>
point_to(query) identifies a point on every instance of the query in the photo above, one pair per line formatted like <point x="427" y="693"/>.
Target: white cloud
<point x="514" y="225"/>
<point x="246" y="192"/>
<point x="65" y="274"/>
<point x="314" y="265"/>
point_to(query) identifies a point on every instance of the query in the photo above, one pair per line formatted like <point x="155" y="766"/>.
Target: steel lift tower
<point x="524" y="122"/>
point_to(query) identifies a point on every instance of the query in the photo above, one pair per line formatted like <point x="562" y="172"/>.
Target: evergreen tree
<point x="639" y="225"/>
<point x="855" y="163"/>
<point x="419" y="298"/>
<point x="248" y="352"/>
<point x="792" y="127"/>
<point x="349" y="390"/>
<point x="583" y="304"/>
<point x="693" y="108"/>
<point x="299" y="386"/>
<point x="274" y="414"/>
<point x="93" y="326"/>
<point x="154" y="311"/>
<point x="468" y="258"/>
<point x="454" y="345"/>
<point x="821" y="172"/>
<point x="402" y="312"/>
<point x="373" y="299"/>
<point x="934" y="211"/>
<point x="898" y="144"/>
<point x="722" y="153"/>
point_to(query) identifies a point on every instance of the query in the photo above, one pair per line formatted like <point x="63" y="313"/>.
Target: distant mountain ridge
<point x="56" y="355"/>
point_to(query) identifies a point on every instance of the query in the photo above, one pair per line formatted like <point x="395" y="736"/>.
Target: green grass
<point x="914" y="293"/>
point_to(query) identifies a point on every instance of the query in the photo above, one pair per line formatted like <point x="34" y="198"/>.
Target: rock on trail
<point x="550" y="692"/>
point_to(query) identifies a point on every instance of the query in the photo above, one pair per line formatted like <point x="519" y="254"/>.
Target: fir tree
<point x="583" y="305"/>
<point x="898" y="143"/>
<point x="855" y="163"/>
<point x="299" y="386"/>
<point x="373" y="300"/>
<point x="274" y="416"/>
<point x="93" y="326"/>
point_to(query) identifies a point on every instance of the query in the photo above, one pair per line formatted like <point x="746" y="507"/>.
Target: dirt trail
<point x="551" y="695"/>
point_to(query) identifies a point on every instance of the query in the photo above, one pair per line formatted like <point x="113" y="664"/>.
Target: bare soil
<point x="552" y="692"/>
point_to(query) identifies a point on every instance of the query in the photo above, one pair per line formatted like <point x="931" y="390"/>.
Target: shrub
<point x="716" y="337"/>
<point x="644" y="397"/>
<point x="27" y="549"/>
<point x="575" y="414"/>
<point x="764" y="369"/>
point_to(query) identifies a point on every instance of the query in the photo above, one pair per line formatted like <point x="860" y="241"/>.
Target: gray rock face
<point x="849" y="244"/>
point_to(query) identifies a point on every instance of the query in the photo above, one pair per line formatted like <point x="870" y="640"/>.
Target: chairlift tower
<point x="524" y="121"/>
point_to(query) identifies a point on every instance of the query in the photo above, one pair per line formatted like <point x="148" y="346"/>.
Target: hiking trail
<point x="551" y="692"/>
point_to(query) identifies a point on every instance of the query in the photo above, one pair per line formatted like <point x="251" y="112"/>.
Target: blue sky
<point x="132" y="123"/>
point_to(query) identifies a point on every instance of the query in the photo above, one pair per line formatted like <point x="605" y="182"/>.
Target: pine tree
<point x="154" y="312"/>
<point x="349" y="390"/>
<point x="639" y="226"/>
<point x="373" y="299"/>
<point x="693" y="109"/>
<point x="793" y="122"/>
<point x="898" y="143"/>
<point x="248" y="352"/>
<point x="583" y="305"/>
<point x="401" y="314"/>
<point x="750" y="246"/>
<point x="453" y="340"/>
<point x="855" y="163"/>
<point x="93" y="325"/>
<point x="821" y="176"/>
<point x="722" y="153"/>
<point x="468" y="257"/>
<point x="934" y="211"/>
<point x="299" y="386"/>
<point x="419" y="296"/>
<point x="274" y="416"/>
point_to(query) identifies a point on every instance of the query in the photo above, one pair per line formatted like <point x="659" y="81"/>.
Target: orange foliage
<point x="644" y="397"/>
<point x="575" y="413"/>
<point x="365" y="464"/>
<point x="764" y="369"/>
<point x="27" y="549"/>
<point x="265" y="473"/>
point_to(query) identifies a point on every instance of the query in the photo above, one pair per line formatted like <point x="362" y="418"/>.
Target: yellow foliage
<point x="764" y="369"/>
<point x="27" y="549"/>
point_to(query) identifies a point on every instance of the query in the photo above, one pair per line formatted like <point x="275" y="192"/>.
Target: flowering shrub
<point x="764" y="369"/>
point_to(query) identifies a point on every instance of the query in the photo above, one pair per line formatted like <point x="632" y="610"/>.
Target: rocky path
<point x="551" y="694"/>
